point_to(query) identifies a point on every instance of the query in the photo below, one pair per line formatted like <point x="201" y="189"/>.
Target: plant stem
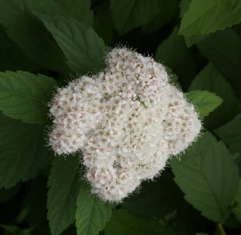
<point x="221" y="229"/>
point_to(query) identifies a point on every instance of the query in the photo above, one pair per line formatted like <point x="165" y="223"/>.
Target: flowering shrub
<point x="96" y="138"/>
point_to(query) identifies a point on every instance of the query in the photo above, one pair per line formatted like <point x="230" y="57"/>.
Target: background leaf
<point x="24" y="29"/>
<point x="130" y="14"/>
<point x="80" y="10"/>
<point x="207" y="16"/>
<point x="123" y="223"/>
<point x="211" y="80"/>
<point x="24" y="96"/>
<point x="82" y="47"/>
<point x="12" y="57"/>
<point x="22" y="151"/>
<point x="92" y="213"/>
<point x="223" y="50"/>
<point x="64" y="186"/>
<point x="155" y="199"/>
<point x="204" y="101"/>
<point x="171" y="53"/>
<point x="237" y="199"/>
<point x="208" y="177"/>
<point x="230" y="133"/>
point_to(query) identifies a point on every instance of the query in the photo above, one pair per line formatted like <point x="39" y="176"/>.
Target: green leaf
<point x="204" y="101"/>
<point x="80" y="10"/>
<point x="223" y="50"/>
<point x="123" y="223"/>
<point x="155" y="199"/>
<point x="211" y="80"/>
<point x="208" y="177"/>
<point x="190" y="39"/>
<point x="22" y="151"/>
<point x="208" y="16"/>
<point x="64" y="183"/>
<point x="92" y="213"/>
<point x="171" y="53"/>
<point x="24" y="96"/>
<point x="26" y="31"/>
<point x="230" y="133"/>
<point x="184" y="5"/>
<point x="82" y="47"/>
<point x="201" y="234"/>
<point x="130" y="14"/>
<point x="237" y="199"/>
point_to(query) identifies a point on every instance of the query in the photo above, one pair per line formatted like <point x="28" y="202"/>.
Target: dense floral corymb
<point x="127" y="121"/>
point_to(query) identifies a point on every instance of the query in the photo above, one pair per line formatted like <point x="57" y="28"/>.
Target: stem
<point x="221" y="229"/>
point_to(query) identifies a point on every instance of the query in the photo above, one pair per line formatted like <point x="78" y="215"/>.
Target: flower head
<point x="127" y="120"/>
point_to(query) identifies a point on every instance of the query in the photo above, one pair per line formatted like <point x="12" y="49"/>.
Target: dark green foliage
<point x="44" y="44"/>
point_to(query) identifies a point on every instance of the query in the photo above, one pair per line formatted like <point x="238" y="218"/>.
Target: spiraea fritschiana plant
<point x="127" y="121"/>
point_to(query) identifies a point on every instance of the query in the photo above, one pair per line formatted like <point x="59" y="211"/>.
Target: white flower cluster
<point x="127" y="121"/>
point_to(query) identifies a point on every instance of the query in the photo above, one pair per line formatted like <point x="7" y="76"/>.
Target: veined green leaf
<point x="64" y="186"/>
<point x="211" y="80"/>
<point x="204" y="101"/>
<point x="208" y="16"/>
<point x="155" y="199"/>
<point x="130" y="14"/>
<point x="230" y="133"/>
<point x="208" y="177"/>
<point x="92" y="213"/>
<point x="223" y="50"/>
<point x="25" y="30"/>
<point x="24" y="96"/>
<point x="82" y="47"/>
<point x="22" y="151"/>
<point x="123" y="223"/>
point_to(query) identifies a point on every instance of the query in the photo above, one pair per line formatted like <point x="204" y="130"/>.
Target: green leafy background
<point x="44" y="44"/>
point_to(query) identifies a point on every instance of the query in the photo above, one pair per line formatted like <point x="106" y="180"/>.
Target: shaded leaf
<point x="92" y="213"/>
<point x="223" y="50"/>
<point x="171" y="53"/>
<point x="204" y="101"/>
<point x="12" y="57"/>
<point x="77" y="9"/>
<point x="207" y="16"/>
<point x="29" y="35"/>
<point x="22" y="151"/>
<point x="230" y="133"/>
<point x="82" y="47"/>
<point x="211" y="80"/>
<point x="35" y="202"/>
<point x="168" y="10"/>
<point x="7" y="194"/>
<point x="155" y="199"/>
<point x="24" y="96"/>
<point x="208" y="177"/>
<point x="123" y="223"/>
<point x="64" y="186"/>
<point x="237" y="199"/>
<point x="130" y="14"/>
